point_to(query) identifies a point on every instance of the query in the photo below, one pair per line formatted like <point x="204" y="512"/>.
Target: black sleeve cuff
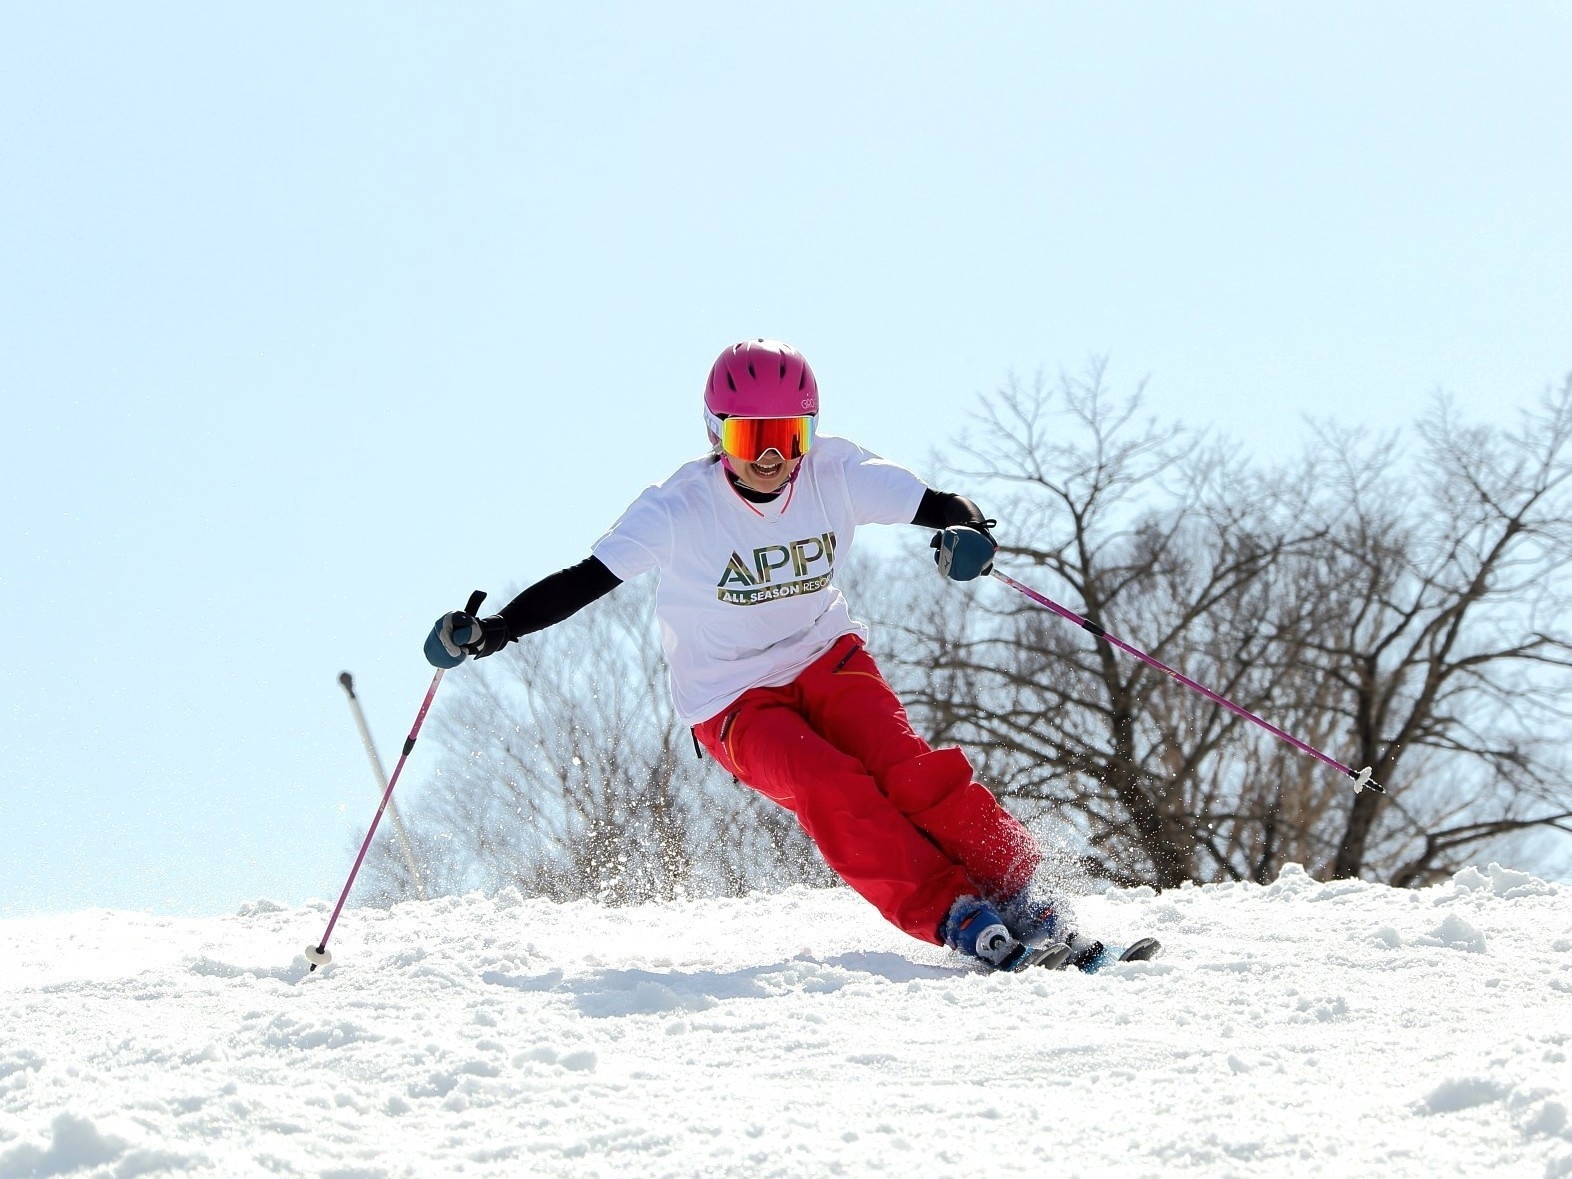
<point x="940" y="509"/>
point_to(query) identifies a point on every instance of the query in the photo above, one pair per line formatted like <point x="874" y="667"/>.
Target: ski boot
<point x="975" y="929"/>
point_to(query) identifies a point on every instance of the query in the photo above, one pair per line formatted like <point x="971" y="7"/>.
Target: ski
<point x="1024" y="957"/>
<point x="1086" y="956"/>
<point x="1095" y="956"/>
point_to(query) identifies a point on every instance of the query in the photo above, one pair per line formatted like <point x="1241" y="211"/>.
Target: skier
<point x="771" y="671"/>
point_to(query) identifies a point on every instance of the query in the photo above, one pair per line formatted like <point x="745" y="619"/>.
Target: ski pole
<point x="348" y="683"/>
<point x="318" y="954"/>
<point x="1360" y="778"/>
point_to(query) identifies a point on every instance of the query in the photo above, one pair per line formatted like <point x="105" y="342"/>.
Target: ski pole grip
<point x="472" y="607"/>
<point x="347" y="682"/>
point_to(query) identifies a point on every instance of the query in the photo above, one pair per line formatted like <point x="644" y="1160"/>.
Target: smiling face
<point x="770" y="473"/>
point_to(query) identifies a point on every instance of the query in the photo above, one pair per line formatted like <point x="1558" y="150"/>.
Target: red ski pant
<point x="902" y="823"/>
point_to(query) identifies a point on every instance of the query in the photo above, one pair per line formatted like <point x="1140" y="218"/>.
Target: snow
<point x="1299" y="1028"/>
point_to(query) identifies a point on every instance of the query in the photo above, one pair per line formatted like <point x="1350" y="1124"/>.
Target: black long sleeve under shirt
<point x="567" y="591"/>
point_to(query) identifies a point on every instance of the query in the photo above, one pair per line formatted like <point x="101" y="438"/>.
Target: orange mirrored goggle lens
<point x="750" y="439"/>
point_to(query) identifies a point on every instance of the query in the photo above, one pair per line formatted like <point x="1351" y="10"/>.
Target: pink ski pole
<point x="1360" y="778"/>
<point x="318" y="954"/>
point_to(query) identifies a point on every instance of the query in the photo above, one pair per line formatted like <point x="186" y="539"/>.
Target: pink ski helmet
<point x="761" y="379"/>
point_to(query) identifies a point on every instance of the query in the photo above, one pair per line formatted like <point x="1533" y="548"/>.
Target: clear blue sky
<point x="313" y="318"/>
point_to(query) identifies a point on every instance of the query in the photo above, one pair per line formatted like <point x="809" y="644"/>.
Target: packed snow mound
<point x="1298" y="1028"/>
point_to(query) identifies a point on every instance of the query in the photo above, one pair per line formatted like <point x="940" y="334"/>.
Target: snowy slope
<point x="1296" y="1029"/>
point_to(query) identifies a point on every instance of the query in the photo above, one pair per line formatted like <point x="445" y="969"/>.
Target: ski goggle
<point x="750" y="439"/>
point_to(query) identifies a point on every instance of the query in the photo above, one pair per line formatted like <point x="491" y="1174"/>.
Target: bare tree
<point x="1159" y="536"/>
<point x="1368" y="609"/>
<point x="1444" y="626"/>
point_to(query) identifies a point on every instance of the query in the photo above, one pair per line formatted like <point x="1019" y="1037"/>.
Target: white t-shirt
<point x="745" y="596"/>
